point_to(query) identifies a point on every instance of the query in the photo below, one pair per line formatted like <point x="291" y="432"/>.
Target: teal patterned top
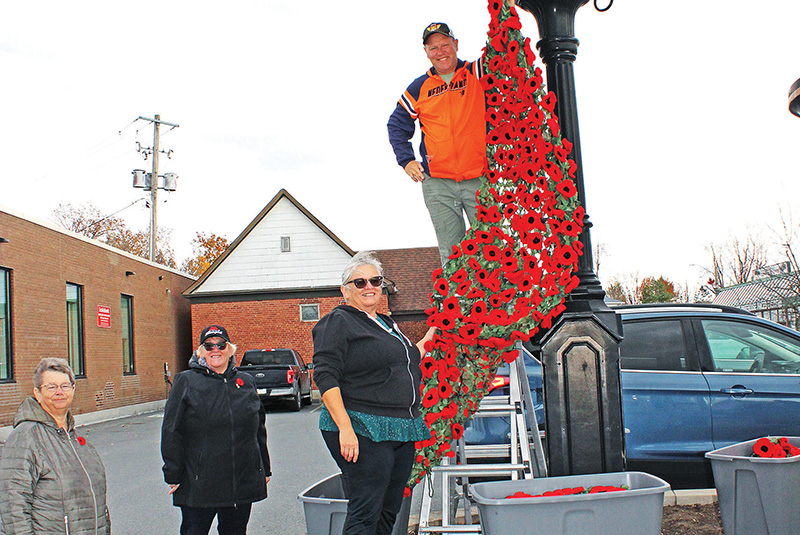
<point x="380" y="428"/>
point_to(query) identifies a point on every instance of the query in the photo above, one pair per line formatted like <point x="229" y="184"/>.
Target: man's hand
<point x="414" y="170"/>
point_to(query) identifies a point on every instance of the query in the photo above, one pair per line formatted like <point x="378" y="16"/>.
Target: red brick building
<point x="410" y="270"/>
<point x="283" y="273"/>
<point x="116" y="317"/>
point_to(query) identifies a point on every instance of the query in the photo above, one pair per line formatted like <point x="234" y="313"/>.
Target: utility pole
<point x="152" y="184"/>
<point x="154" y="189"/>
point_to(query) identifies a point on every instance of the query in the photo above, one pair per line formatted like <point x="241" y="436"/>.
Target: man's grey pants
<point x="447" y="201"/>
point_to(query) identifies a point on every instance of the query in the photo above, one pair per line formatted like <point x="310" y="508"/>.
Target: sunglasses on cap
<point x="362" y="283"/>
<point x="209" y="346"/>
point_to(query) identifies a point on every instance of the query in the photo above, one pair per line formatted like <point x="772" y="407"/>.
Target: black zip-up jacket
<point x="376" y="371"/>
<point x="214" y="438"/>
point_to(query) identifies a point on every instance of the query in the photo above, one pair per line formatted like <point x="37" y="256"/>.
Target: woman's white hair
<point x="54" y="365"/>
<point x="361" y="258"/>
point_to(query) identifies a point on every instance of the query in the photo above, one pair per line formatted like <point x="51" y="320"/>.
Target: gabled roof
<point x="762" y="294"/>
<point x="281" y="195"/>
<point x="410" y="270"/>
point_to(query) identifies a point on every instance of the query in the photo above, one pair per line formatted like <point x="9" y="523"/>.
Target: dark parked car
<point x="280" y="374"/>
<point x="695" y="378"/>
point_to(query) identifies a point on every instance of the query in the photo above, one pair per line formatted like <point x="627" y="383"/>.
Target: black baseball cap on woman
<point x="436" y="27"/>
<point x="214" y="330"/>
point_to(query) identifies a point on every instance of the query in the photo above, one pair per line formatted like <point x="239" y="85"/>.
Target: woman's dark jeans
<point x="374" y="484"/>
<point x="230" y="520"/>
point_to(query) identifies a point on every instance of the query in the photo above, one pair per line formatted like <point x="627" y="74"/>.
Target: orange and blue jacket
<point x="451" y="118"/>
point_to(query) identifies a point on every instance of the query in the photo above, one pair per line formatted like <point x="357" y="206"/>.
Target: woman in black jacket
<point x="369" y="376"/>
<point x="214" y="440"/>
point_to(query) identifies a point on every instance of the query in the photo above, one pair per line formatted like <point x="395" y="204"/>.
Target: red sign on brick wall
<point x="104" y="316"/>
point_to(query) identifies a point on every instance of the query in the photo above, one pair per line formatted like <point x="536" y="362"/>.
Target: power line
<point x="93" y="223"/>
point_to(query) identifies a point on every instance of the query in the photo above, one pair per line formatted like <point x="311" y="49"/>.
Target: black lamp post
<point x="580" y="353"/>
<point x="794" y="98"/>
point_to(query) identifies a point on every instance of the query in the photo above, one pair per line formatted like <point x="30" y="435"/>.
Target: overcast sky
<point x="686" y="134"/>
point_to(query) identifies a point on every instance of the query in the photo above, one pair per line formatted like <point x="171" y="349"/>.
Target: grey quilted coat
<point x="51" y="480"/>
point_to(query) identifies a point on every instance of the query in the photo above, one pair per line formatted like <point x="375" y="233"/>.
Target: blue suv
<point x="695" y="378"/>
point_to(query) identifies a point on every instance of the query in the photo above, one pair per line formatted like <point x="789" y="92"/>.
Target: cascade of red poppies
<point x="511" y="273"/>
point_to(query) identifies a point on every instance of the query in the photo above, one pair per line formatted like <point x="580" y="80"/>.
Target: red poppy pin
<point x="239" y="382"/>
<point x="81" y="441"/>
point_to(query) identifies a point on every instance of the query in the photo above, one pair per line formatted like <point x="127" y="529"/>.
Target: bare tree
<point x="682" y="293"/>
<point x="600" y="251"/>
<point x="627" y="289"/>
<point x="737" y="261"/>
<point x="88" y="220"/>
<point x="781" y="281"/>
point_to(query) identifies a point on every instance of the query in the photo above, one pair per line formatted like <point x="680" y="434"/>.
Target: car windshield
<point x="260" y="358"/>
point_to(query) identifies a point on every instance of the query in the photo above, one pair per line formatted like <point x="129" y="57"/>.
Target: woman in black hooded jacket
<point x="214" y="440"/>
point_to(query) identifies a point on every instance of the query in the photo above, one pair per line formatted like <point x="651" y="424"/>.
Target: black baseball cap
<point x="214" y="330"/>
<point x="436" y="27"/>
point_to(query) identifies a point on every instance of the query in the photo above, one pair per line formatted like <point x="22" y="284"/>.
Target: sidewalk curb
<point x="102" y="416"/>
<point x="690" y="497"/>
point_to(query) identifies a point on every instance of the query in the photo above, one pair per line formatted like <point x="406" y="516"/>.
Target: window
<point x="739" y="347"/>
<point x="286" y="244"/>
<point x="5" y="324"/>
<point x="75" y="328"/>
<point x="309" y="312"/>
<point x="264" y="357"/>
<point x="126" y="321"/>
<point x="653" y="345"/>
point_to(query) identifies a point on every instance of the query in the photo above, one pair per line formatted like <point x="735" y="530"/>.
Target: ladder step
<point x="473" y="528"/>
<point x="479" y="469"/>
<point x="494" y="409"/>
<point x="488" y="450"/>
<point x="493" y="400"/>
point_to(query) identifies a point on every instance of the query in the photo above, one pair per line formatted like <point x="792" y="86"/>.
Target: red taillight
<point x="290" y="376"/>
<point x="498" y="382"/>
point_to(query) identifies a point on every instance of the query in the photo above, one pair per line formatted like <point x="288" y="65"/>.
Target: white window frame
<point x="309" y="306"/>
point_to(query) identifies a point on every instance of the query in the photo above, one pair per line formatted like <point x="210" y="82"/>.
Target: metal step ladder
<point x="525" y="454"/>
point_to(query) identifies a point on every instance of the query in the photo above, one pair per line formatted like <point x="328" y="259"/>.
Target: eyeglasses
<point x="362" y="283"/>
<point x="50" y="387"/>
<point x="210" y="347"/>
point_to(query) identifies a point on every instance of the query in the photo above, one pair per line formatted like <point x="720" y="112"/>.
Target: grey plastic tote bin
<point x="636" y="510"/>
<point x="325" y="506"/>
<point x="757" y="495"/>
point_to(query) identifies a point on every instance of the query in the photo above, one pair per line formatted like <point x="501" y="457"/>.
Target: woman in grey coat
<point x="51" y="480"/>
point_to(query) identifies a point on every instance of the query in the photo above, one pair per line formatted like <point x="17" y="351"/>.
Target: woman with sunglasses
<point x="214" y="440"/>
<point x="368" y="373"/>
<point x="51" y="479"/>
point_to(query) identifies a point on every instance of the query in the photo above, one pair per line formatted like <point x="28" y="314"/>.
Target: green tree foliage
<point x="658" y="290"/>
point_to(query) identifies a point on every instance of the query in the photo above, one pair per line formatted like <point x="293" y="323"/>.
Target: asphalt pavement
<point x="137" y="494"/>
